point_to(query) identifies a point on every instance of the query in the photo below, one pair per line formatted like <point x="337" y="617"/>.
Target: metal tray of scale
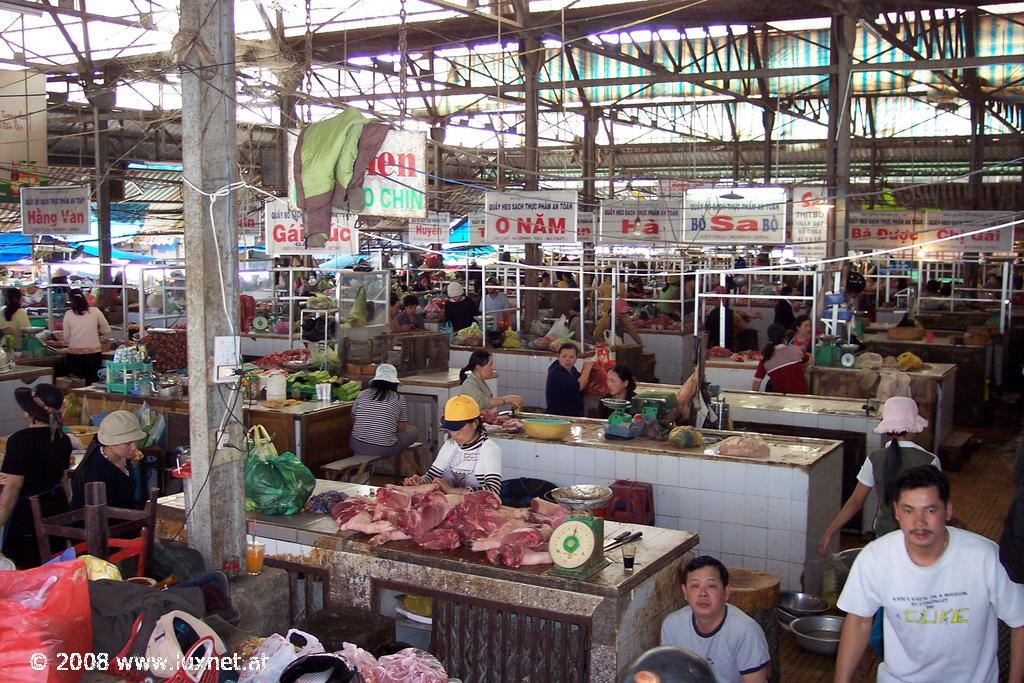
<point x="581" y="496"/>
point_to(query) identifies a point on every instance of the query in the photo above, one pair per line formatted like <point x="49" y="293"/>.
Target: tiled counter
<point x="673" y="351"/>
<point x="761" y="514"/>
<point x="731" y="375"/>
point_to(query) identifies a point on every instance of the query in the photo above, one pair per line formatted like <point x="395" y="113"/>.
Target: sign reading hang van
<point x="60" y="210"/>
<point x="629" y="221"/>
<point x="430" y="230"/>
<point x="939" y="224"/>
<point x="286" y="233"/>
<point x="530" y="216"/>
<point x="744" y="215"/>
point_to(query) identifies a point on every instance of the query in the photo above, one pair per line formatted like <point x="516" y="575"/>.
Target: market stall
<point x="522" y="371"/>
<point x="493" y="622"/>
<point x="761" y="513"/>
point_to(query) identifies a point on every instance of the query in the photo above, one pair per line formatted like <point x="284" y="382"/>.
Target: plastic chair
<point x="94" y="533"/>
<point x="632" y="502"/>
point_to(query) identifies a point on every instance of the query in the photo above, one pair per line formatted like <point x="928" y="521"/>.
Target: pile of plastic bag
<point x="470" y="336"/>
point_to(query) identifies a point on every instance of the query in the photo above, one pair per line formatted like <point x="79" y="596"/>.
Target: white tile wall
<point x="760" y="516"/>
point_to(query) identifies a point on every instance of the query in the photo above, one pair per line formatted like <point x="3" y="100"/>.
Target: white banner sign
<point x="870" y="230"/>
<point x="810" y="222"/>
<point x="530" y="217"/>
<point x="55" y="210"/>
<point x="745" y="215"/>
<point x="668" y="187"/>
<point x="585" y="226"/>
<point x="477" y="228"/>
<point x="940" y="224"/>
<point x="628" y="221"/>
<point x="430" y="230"/>
<point x="286" y="233"/>
<point x="22" y="122"/>
<point x="250" y="217"/>
<point x="394" y="183"/>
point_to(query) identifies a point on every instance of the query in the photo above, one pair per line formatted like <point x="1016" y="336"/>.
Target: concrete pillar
<point x="844" y="31"/>
<point x="591" y="124"/>
<point x="101" y="97"/>
<point x="530" y="58"/>
<point x="216" y="524"/>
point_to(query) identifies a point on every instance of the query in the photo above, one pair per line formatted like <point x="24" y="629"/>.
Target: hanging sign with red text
<point x="810" y="222"/>
<point x="530" y="216"/>
<point x="871" y="230"/>
<point x="477" y="228"/>
<point x="286" y="234"/>
<point x="939" y="224"/>
<point x="744" y="215"/>
<point x="585" y="226"/>
<point x="62" y="210"/>
<point x="629" y="221"/>
<point x="430" y="230"/>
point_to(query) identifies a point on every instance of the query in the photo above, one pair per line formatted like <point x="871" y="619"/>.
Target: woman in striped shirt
<point x="468" y="460"/>
<point x="381" y="426"/>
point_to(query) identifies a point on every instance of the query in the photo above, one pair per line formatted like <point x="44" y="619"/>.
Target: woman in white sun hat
<point x="381" y="426"/>
<point x="883" y="466"/>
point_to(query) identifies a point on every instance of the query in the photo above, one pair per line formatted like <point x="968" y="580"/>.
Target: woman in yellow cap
<point x="468" y="460"/>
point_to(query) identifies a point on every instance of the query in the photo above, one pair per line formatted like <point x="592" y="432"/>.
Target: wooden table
<point x="316" y="431"/>
<point x="494" y="623"/>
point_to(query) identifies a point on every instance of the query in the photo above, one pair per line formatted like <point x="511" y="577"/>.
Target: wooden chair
<point x="98" y="537"/>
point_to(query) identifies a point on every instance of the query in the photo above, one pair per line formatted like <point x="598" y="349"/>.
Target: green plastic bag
<point x="279" y="485"/>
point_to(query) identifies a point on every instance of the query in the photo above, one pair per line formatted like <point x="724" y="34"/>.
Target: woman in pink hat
<point x="883" y="466"/>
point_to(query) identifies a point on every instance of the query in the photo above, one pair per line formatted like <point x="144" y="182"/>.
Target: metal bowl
<point x="848" y="556"/>
<point x="818" y="634"/>
<point x="785" y="618"/>
<point x="581" y="496"/>
<point x="802" y="604"/>
<point x="614" y="403"/>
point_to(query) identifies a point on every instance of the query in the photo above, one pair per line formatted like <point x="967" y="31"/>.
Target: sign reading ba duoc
<point x="810" y="222"/>
<point x="585" y="226"/>
<point x="871" y="230"/>
<point x="396" y="179"/>
<point x="286" y="234"/>
<point x="939" y="224"/>
<point x="647" y="221"/>
<point x="430" y="230"/>
<point x="749" y="215"/>
<point x="477" y="228"/>
<point x="55" y="210"/>
<point x="530" y="216"/>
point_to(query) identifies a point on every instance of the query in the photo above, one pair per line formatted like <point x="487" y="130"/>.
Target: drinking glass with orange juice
<point x="254" y="558"/>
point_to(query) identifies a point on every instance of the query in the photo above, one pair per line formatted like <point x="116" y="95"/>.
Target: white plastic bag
<point x="893" y="384"/>
<point x="559" y="329"/>
<point x="278" y="652"/>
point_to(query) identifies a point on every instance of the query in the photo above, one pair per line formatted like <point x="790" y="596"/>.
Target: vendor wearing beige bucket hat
<point x="899" y="418"/>
<point x="106" y="460"/>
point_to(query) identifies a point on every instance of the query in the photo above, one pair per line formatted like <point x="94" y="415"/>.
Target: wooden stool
<point x="348" y="469"/>
<point x="757" y="594"/>
<point x="409" y="458"/>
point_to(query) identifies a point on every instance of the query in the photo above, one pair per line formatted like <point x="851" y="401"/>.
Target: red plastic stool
<point x="632" y="502"/>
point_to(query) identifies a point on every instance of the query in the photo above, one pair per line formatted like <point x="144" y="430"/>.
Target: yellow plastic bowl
<point x="84" y="433"/>
<point x="549" y="430"/>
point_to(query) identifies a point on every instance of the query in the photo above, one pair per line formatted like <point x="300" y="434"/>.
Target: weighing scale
<point x="827" y="354"/>
<point x="620" y="424"/>
<point x="577" y="545"/>
<point x="849" y="357"/>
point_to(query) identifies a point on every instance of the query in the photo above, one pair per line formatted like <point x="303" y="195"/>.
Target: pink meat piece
<point x="410" y="666"/>
<point x="499" y="537"/>
<point x="382" y="538"/>
<point x="363" y="522"/>
<point x="349" y="508"/>
<point x="427" y="513"/>
<point x="422" y="488"/>
<point x="545" y="507"/>
<point x="516" y="513"/>
<point x="514" y="545"/>
<point x="472" y="521"/>
<point x="552" y="520"/>
<point x="533" y="557"/>
<point x="483" y="498"/>
<point x="360" y="660"/>
<point x="439" y="539"/>
<point x="391" y="500"/>
<point x="745" y="446"/>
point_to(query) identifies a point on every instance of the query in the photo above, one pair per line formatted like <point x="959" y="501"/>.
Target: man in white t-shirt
<point x="731" y="642"/>
<point x="942" y="590"/>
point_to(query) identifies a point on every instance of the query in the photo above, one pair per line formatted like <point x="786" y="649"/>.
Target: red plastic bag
<point x="597" y="383"/>
<point x="45" y="627"/>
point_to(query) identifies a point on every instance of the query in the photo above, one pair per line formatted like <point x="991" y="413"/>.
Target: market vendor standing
<point x="459" y="310"/>
<point x="381" y="427"/>
<point x="564" y="389"/>
<point x="83" y="326"/>
<point x="468" y="460"/>
<point x="15" y="318"/>
<point x="35" y="464"/>
<point x="474" y="376"/>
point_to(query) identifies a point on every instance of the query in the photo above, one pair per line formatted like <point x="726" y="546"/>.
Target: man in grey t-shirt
<point x="731" y="642"/>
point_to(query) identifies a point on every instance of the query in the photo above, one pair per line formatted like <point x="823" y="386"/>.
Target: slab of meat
<point x="382" y="538"/>
<point x="349" y="508"/>
<point x="534" y="556"/>
<point x="410" y="666"/>
<point x="745" y="446"/>
<point x="499" y="537"/>
<point x="544" y="507"/>
<point x="394" y="499"/>
<point x="364" y="523"/>
<point x="439" y="539"/>
<point x="473" y="521"/>
<point x="482" y="498"/>
<point x="544" y="512"/>
<point x="424" y="515"/>
<point x="513" y="546"/>
<point x="411" y="490"/>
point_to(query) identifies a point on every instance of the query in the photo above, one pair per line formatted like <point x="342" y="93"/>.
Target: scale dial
<point x="848" y="360"/>
<point x="572" y="544"/>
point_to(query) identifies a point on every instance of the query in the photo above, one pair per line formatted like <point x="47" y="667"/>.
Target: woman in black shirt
<point x="106" y="460"/>
<point x="35" y="464"/>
